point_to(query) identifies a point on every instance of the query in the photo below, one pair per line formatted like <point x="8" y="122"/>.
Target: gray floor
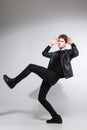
<point x="69" y="100"/>
<point x="24" y="120"/>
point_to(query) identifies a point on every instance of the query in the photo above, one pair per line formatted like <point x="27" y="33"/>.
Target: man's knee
<point x="41" y="99"/>
<point x="30" y="65"/>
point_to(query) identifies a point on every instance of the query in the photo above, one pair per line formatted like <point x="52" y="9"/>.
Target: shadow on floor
<point x="55" y="96"/>
<point x="15" y="111"/>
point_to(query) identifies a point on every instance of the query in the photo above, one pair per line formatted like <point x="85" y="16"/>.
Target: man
<point x="59" y="67"/>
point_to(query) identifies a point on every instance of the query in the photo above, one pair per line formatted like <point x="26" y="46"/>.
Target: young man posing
<point x="59" y="67"/>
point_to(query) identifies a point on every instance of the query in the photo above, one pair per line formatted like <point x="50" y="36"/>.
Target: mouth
<point x="59" y="44"/>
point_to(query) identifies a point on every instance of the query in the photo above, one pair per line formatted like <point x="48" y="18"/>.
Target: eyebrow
<point x="61" y="40"/>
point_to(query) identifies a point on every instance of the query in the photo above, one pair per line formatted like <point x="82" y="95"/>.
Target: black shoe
<point x="9" y="81"/>
<point x="56" y="119"/>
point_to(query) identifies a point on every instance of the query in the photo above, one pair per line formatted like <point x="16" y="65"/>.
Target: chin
<point x="60" y="47"/>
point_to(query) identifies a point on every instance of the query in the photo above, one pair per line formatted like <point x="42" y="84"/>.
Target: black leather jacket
<point x="66" y="57"/>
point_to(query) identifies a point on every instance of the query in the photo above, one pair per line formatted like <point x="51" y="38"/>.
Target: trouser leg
<point x="44" y="73"/>
<point x="42" y="98"/>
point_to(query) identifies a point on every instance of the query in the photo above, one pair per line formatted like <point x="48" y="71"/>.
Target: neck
<point x="62" y="49"/>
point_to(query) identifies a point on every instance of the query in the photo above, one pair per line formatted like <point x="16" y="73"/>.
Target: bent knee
<point x="31" y="66"/>
<point x="41" y="99"/>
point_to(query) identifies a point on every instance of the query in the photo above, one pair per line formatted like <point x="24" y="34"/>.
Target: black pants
<point x="49" y="78"/>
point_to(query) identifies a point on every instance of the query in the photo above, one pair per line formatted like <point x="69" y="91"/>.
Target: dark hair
<point x="65" y="37"/>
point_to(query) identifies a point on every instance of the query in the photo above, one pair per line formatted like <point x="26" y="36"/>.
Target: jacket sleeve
<point x="73" y="51"/>
<point x="46" y="52"/>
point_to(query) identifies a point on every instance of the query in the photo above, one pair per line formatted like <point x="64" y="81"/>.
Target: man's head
<point x="62" y="40"/>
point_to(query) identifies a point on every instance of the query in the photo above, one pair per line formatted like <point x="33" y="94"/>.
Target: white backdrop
<point x="26" y="28"/>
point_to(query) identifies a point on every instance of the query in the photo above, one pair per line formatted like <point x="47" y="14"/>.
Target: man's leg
<point x="42" y="98"/>
<point x="44" y="73"/>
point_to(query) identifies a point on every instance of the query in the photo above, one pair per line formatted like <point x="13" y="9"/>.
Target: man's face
<point x="61" y="43"/>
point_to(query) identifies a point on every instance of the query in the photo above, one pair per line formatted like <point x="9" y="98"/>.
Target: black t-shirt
<point x="56" y="65"/>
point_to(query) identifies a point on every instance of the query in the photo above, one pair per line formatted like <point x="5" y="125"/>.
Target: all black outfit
<point x="59" y="67"/>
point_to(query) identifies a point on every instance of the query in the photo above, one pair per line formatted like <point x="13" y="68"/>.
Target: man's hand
<point x="53" y="42"/>
<point x="70" y="41"/>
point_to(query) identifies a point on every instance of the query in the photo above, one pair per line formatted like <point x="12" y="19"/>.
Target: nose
<point x="59" y="43"/>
